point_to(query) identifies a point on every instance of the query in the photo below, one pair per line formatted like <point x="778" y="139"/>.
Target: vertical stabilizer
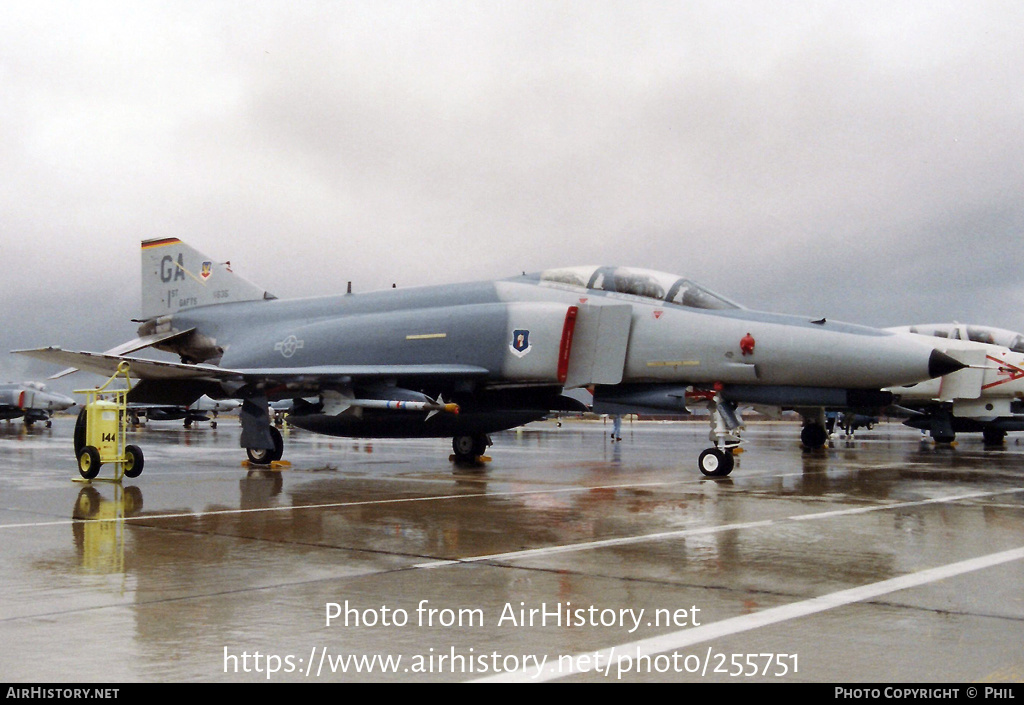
<point x="175" y="276"/>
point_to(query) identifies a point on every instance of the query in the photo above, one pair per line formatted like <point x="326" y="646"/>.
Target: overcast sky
<point x="862" y="161"/>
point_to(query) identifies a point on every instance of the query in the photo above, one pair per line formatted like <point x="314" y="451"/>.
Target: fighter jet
<point x="199" y="410"/>
<point x="985" y="397"/>
<point x="32" y="401"/>
<point x="466" y="360"/>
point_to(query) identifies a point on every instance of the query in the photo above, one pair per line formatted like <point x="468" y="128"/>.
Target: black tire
<point x="463" y="448"/>
<point x="79" y="433"/>
<point x="470" y="447"/>
<point x="263" y="456"/>
<point x="133" y="461"/>
<point x="813" y="436"/>
<point x="993" y="436"/>
<point x="89" y="462"/>
<point x="715" y="462"/>
<point x="480" y="443"/>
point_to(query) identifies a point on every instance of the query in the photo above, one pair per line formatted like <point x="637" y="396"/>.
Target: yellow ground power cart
<point x="102" y="428"/>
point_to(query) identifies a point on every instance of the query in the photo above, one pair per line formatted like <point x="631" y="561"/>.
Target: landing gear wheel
<point x="133" y="461"/>
<point x="993" y="436"/>
<point x="715" y="462"/>
<point x="266" y="456"/>
<point x="469" y="447"/>
<point x="89" y="462"/>
<point x="813" y="436"/>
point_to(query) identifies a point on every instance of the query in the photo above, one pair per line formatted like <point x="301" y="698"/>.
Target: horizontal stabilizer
<point x="131" y="346"/>
<point x="106" y="364"/>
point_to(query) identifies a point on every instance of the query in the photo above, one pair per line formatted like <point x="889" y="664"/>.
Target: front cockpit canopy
<point x="645" y="283"/>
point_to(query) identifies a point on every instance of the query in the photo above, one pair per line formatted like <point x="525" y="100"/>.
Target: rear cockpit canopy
<point x="979" y="334"/>
<point x="645" y="283"/>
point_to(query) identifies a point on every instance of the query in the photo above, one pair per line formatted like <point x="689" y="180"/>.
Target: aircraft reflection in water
<point x="465" y="360"/>
<point x="32" y="401"/>
<point x="985" y="397"/>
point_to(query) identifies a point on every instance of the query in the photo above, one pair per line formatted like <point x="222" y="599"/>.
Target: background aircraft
<point x="199" y="410"/>
<point x="960" y="331"/>
<point x="32" y="401"/>
<point x="848" y="422"/>
<point x="465" y="360"/>
<point x="985" y="397"/>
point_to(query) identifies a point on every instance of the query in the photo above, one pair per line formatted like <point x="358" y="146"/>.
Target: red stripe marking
<point x="160" y="242"/>
<point x="1012" y="373"/>
<point x="565" y="349"/>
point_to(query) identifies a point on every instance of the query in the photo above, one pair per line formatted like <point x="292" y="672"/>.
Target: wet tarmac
<point x="882" y="559"/>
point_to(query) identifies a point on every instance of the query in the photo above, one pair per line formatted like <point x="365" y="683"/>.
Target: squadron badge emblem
<point x="520" y="344"/>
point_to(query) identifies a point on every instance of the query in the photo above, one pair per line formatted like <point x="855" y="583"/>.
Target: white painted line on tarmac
<point x="327" y="505"/>
<point x="683" y="533"/>
<point x="617" y="658"/>
<point x="899" y="505"/>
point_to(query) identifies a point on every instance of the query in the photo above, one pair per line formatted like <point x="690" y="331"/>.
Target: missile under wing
<point x="466" y="360"/>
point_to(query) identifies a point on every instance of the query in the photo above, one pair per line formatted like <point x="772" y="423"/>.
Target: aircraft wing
<point x="106" y="364"/>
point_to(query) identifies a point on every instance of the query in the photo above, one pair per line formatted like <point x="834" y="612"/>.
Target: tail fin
<point x="175" y="276"/>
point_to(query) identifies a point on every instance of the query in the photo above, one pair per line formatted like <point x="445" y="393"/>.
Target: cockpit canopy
<point x="644" y="283"/>
<point x="979" y="334"/>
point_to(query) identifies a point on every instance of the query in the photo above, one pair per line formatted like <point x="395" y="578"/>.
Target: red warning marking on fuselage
<point x="1008" y="372"/>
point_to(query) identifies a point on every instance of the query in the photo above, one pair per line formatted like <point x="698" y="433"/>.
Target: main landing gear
<point x="993" y="436"/>
<point x="470" y="447"/>
<point x="816" y="429"/>
<point x="813" y="435"/>
<point x="725" y="425"/>
<point x="266" y="456"/>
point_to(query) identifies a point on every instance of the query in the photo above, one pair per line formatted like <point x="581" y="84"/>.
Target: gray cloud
<point x="858" y="161"/>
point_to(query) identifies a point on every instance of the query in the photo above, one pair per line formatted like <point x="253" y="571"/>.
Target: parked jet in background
<point x="32" y="401"/>
<point x="978" y="334"/>
<point x="465" y="360"/>
<point x="986" y="397"/>
<point x="199" y="410"/>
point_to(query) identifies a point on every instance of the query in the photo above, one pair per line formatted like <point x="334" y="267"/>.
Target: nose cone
<point x="845" y="355"/>
<point x="941" y="364"/>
